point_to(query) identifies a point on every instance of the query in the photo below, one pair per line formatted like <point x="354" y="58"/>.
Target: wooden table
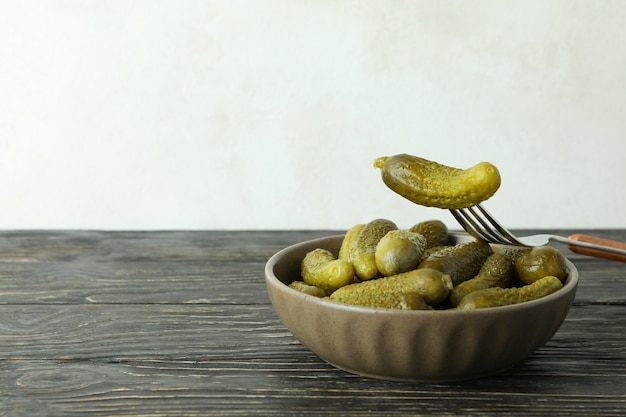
<point x="97" y="323"/>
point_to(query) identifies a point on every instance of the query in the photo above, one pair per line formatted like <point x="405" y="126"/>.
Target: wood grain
<point x="178" y="323"/>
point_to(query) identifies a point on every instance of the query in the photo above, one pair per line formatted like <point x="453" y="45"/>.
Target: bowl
<point x="406" y="345"/>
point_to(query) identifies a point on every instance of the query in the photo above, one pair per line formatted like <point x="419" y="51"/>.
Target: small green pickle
<point x="308" y="289"/>
<point x="431" y="285"/>
<point x="363" y="249"/>
<point x="434" y="231"/>
<point x="345" y="251"/>
<point x="461" y="261"/>
<point x="393" y="300"/>
<point x="538" y="262"/>
<point x="430" y="251"/>
<point x="320" y="268"/>
<point x="497" y="271"/>
<point x="429" y="183"/>
<point x="399" y="251"/>
<point x="496" y="297"/>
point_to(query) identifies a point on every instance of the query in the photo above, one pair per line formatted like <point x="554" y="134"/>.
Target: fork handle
<point x="598" y="253"/>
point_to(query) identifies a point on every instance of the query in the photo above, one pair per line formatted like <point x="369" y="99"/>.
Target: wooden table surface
<point x="96" y="323"/>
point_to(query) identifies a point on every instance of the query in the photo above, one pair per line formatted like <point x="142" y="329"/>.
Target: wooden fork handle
<point x="598" y="253"/>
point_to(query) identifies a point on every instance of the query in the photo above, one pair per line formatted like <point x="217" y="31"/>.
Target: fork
<point x="483" y="226"/>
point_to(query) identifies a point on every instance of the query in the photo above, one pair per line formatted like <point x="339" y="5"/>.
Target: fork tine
<point x="488" y="227"/>
<point x="510" y="237"/>
<point x="472" y="225"/>
<point x="469" y="228"/>
<point x="483" y="226"/>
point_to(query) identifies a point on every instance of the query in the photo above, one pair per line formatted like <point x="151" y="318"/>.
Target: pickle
<point x="461" y="261"/>
<point x="320" y="268"/>
<point x="539" y="262"/>
<point x="363" y="254"/>
<point x="308" y="289"/>
<point x="510" y="252"/>
<point x="431" y="285"/>
<point x="428" y="183"/>
<point x="399" y="251"/>
<point x="394" y="300"/>
<point x="495" y="297"/>
<point x="497" y="271"/>
<point x="348" y="241"/>
<point x="435" y="232"/>
<point x="429" y="251"/>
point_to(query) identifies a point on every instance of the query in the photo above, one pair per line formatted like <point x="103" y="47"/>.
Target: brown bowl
<point x="404" y="345"/>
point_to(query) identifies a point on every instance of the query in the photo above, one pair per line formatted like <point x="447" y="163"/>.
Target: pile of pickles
<point x="382" y="266"/>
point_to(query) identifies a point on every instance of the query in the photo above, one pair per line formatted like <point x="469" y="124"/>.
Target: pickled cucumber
<point x="393" y="300"/>
<point x="539" y="262"/>
<point x="428" y="183"/>
<point x="510" y="252"/>
<point x="461" y="261"/>
<point x="363" y="254"/>
<point x="435" y="232"/>
<point x="429" y="251"/>
<point x="399" y="251"/>
<point x="348" y="241"/>
<point x="308" y="289"/>
<point x="320" y="268"/>
<point x="431" y="285"/>
<point x="495" y="297"/>
<point x="497" y="271"/>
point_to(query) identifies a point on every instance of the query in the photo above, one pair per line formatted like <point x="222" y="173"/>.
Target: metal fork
<point x="483" y="226"/>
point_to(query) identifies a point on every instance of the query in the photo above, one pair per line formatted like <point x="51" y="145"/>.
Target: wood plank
<point x="138" y="267"/>
<point x="120" y="332"/>
<point x="136" y="283"/>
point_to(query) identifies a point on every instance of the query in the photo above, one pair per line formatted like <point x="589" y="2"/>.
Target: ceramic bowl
<point x="402" y="345"/>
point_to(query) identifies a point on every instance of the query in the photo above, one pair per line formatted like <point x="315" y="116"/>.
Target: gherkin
<point x="431" y="184"/>
<point x="345" y="251"/>
<point x="461" y="261"/>
<point x="320" y="268"/>
<point x="392" y="300"/>
<point x="434" y="231"/>
<point x="363" y="249"/>
<point x="431" y="285"/>
<point x="399" y="251"/>
<point x="497" y="271"/>
<point x="538" y="262"/>
<point x="497" y="297"/>
<point x="308" y="289"/>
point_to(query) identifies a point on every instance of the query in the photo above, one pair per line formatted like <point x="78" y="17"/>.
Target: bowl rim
<point x="271" y="279"/>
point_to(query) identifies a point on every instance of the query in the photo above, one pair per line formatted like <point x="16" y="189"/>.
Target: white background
<point x="261" y="114"/>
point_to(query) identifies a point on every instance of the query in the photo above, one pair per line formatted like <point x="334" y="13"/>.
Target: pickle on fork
<point x="429" y="183"/>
